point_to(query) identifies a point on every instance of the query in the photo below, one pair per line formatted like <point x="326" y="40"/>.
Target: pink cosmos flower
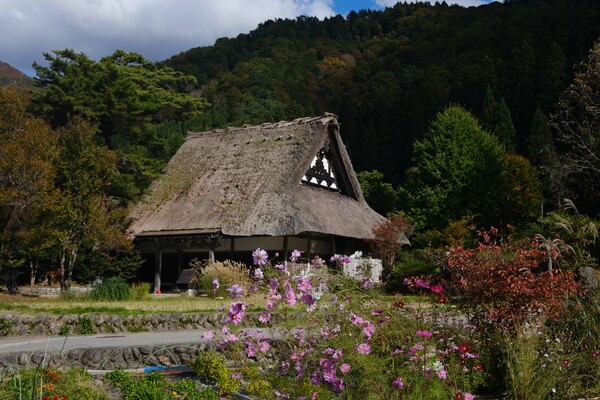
<point x="264" y="346"/>
<point x="285" y="367"/>
<point x="315" y="378"/>
<point x="329" y="376"/>
<point x="337" y="355"/>
<point x="274" y="283"/>
<point x="317" y="262"/>
<point x="356" y="319"/>
<point x="469" y="396"/>
<point x="270" y="304"/>
<point x="236" y="313"/>
<point x="424" y="333"/>
<point x="438" y="289"/>
<point x="258" y="274"/>
<point x="338" y="384"/>
<point x="442" y="374"/>
<point x="368" y="330"/>
<point x="259" y="256"/>
<point x="290" y="296"/>
<point x="345" y="368"/>
<point x="215" y="285"/>
<point x="422" y="284"/>
<point x="235" y="291"/>
<point x="304" y="285"/>
<point x="231" y="338"/>
<point x="264" y="317"/>
<point x="363" y="348"/>
<point x="296" y="254"/>
<point x="208" y="335"/>
<point x="397" y="383"/>
<point x="250" y="351"/>
<point x="308" y="299"/>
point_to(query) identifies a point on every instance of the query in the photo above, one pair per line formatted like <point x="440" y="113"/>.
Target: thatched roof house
<point x="279" y="186"/>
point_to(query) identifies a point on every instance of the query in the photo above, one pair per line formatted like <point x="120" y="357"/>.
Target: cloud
<point x="157" y="29"/>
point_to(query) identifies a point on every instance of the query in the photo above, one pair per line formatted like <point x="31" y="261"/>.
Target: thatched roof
<point x="248" y="181"/>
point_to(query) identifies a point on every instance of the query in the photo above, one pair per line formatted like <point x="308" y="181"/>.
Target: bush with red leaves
<point x="504" y="282"/>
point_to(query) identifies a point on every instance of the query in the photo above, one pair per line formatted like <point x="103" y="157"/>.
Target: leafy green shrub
<point x="190" y="390"/>
<point x="5" y="326"/>
<point x="151" y="386"/>
<point x="84" y="326"/>
<point x="258" y="386"/>
<point x="112" y="289"/>
<point x="65" y="329"/>
<point x="141" y="290"/>
<point x="154" y="386"/>
<point x="413" y="263"/>
<point x="211" y="367"/>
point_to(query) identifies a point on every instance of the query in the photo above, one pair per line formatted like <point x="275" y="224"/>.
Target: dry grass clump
<point x="228" y="272"/>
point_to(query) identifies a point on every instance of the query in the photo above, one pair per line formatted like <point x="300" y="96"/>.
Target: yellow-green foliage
<point x="259" y="386"/>
<point x="211" y="366"/>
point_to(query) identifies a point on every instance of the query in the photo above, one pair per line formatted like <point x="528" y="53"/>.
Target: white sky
<point x="157" y="29"/>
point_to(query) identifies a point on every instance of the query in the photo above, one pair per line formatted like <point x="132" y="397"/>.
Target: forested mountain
<point x="456" y="117"/>
<point x="387" y="73"/>
<point x="10" y="75"/>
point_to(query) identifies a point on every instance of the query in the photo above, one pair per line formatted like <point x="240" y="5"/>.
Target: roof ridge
<point x="326" y="118"/>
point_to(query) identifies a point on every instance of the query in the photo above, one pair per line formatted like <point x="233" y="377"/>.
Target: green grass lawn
<point x="147" y="305"/>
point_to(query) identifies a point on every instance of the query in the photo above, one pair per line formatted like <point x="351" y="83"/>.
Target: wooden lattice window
<point x="321" y="172"/>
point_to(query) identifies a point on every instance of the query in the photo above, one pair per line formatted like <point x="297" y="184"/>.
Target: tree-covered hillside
<point x="387" y="73"/>
<point x="9" y="75"/>
<point x="454" y="117"/>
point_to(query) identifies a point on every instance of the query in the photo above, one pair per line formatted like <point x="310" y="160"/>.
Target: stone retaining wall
<point x="44" y="325"/>
<point x="121" y="357"/>
<point x="107" y="358"/>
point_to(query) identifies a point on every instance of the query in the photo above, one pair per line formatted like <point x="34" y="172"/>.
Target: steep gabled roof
<point x="249" y="181"/>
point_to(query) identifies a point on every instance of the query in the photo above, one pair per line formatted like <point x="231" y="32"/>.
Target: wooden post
<point x="211" y="256"/>
<point x="179" y="260"/>
<point x="158" y="270"/>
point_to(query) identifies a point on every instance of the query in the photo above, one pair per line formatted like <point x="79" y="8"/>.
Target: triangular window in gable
<point x="321" y="172"/>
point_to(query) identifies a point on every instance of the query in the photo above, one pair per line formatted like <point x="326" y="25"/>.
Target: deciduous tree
<point x="84" y="173"/>
<point x="458" y="170"/>
<point x="577" y="124"/>
<point x="27" y="151"/>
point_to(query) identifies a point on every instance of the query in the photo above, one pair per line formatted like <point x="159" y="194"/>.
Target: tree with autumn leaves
<point x="53" y="191"/>
<point x="28" y="150"/>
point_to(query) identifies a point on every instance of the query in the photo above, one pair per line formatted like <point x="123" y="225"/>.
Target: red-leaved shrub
<point x="505" y="282"/>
